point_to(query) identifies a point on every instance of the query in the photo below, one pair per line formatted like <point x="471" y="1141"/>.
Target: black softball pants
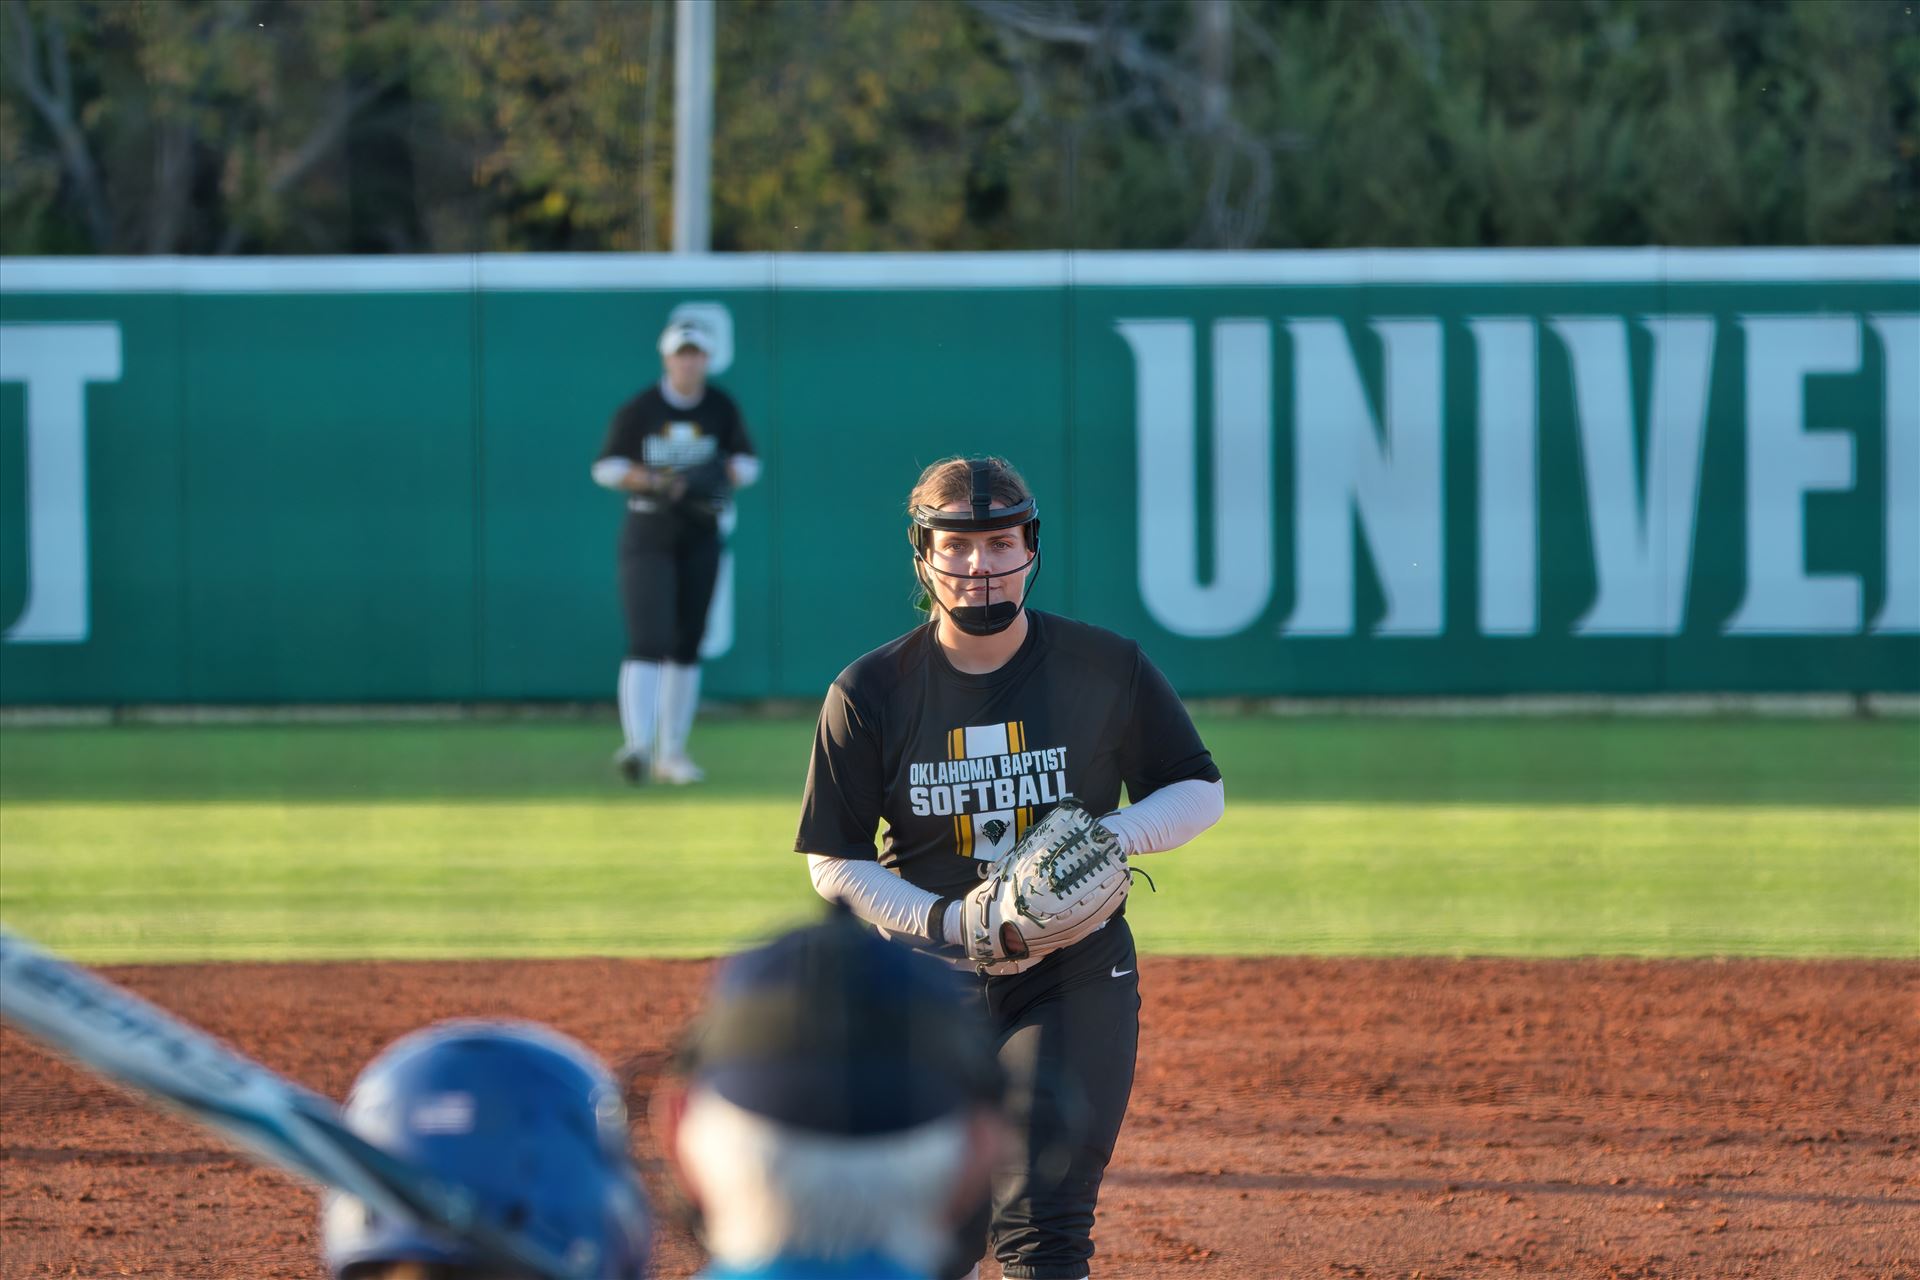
<point x="1068" y="1030"/>
<point x="668" y="565"/>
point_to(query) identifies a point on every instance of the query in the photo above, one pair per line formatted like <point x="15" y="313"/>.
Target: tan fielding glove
<point x="1064" y="879"/>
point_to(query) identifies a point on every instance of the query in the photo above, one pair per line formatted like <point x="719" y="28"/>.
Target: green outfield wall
<point x="366" y="479"/>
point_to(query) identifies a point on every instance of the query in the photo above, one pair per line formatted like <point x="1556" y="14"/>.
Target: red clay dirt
<point x="1319" y="1118"/>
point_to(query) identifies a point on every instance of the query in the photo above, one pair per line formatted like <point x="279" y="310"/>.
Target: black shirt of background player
<point x="1083" y="708"/>
<point x="682" y="444"/>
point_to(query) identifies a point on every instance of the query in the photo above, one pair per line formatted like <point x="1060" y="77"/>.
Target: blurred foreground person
<point x="836" y="1113"/>
<point x="525" y="1119"/>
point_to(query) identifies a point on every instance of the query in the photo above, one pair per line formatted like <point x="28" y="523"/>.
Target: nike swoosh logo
<point x="1118" y="972"/>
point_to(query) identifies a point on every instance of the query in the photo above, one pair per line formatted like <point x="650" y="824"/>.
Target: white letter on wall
<point x="1785" y="462"/>
<point x="1509" y="362"/>
<point x="1242" y="528"/>
<point x="1900" y="345"/>
<point x="1344" y="463"/>
<point x="1642" y="547"/>
<point x="56" y="361"/>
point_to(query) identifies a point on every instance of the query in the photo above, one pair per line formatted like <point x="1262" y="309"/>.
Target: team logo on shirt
<point x="682" y="444"/>
<point x="990" y="784"/>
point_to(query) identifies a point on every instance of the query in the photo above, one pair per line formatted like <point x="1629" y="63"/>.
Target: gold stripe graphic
<point x="962" y="826"/>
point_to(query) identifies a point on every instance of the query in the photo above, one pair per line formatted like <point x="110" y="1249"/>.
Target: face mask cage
<point x="994" y="616"/>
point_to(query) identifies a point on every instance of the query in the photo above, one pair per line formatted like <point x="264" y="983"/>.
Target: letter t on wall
<point x="57" y="361"/>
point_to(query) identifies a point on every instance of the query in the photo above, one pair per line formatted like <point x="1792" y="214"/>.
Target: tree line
<point x="431" y="126"/>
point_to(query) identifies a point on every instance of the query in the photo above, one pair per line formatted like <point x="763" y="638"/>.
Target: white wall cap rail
<point x="569" y="272"/>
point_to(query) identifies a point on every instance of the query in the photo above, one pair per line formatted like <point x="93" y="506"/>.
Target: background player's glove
<point x="705" y="485"/>
<point x="1060" y="883"/>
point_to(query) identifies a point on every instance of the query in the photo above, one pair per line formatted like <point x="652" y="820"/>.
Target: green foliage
<point x="850" y="126"/>
<point x="550" y="106"/>
<point x="199" y="127"/>
<point x="453" y="125"/>
<point x="1341" y="837"/>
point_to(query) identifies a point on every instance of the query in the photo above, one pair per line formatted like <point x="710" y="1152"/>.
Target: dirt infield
<point x="1292" y="1117"/>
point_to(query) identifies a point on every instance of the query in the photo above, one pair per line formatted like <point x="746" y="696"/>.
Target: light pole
<point x="692" y="126"/>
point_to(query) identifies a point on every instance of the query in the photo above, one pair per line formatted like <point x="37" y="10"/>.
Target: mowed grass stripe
<point x="1552" y="880"/>
<point x="1361" y="760"/>
<point x="179" y="881"/>
<point x="1342" y="837"/>
<point x="172" y="881"/>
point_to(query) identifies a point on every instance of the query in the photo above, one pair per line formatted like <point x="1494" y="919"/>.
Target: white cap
<point x="685" y="333"/>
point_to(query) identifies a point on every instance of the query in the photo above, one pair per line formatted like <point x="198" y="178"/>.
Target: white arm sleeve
<point x="609" y="472"/>
<point x="1169" y="817"/>
<point x="743" y="469"/>
<point x="874" y="893"/>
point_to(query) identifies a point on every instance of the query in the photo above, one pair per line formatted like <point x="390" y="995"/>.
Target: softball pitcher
<point x="961" y="737"/>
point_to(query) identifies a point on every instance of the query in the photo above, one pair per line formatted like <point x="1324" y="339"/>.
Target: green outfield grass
<point x="1348" y="836"/>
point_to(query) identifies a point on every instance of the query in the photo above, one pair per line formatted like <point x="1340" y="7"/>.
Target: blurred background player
<point x="962" y="734"/>
<point x="677" y="451"/>
<point x="836" y="1111"/>
<point x="527" y="1120"/>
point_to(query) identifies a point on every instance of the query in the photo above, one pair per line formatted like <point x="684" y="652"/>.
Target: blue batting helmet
<point x="527" y="1120"/>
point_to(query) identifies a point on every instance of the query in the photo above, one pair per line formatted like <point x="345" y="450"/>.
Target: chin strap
<point x="978" y="620"/>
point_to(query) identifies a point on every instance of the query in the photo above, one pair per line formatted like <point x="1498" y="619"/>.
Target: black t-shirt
<point x="958" y="766"/>
<point x="691" y="444"/>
